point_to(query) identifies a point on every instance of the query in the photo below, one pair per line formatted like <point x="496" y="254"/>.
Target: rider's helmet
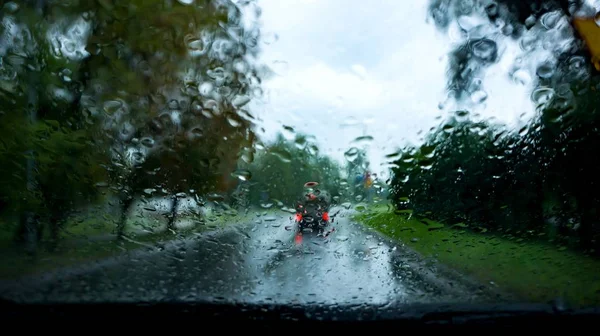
<point x="311" y="192"/>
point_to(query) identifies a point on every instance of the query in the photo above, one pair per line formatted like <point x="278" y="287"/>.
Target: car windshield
<point x="300" y="152"/>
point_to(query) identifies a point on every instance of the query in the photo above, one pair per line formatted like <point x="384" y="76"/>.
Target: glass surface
<point x="300" y="152"/>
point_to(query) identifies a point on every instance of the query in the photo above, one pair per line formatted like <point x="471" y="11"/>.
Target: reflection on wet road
<point x="260" y="262"/>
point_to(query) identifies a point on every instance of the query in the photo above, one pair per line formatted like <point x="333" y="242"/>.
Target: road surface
<point x="261" y="262"/>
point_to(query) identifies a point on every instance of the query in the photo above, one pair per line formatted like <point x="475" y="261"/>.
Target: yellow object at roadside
<point x="590" y="33"/>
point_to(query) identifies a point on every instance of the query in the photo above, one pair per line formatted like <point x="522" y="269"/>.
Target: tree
<point x="156" y="96"/>
<point x="546" y="185"/>
<point x="486" y="25"/>
<point x="163" y="73"/>
<point x="45" y="127"/>
<point x="357" y="166"/>
<point x="284" y="166"/>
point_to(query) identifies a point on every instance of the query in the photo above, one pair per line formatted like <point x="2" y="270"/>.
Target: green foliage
<point x="178" y="75"/>
<point x="534" y="271"/>
<point x="161" y="78"/>
<point x="539" y="181"/>
<point x="281" y="169"/>
<point x="69" y="167"/>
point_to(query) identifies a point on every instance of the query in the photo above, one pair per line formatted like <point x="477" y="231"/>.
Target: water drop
<point x="247" y="155"/>
<point x="528" y="42"/>
<point x="11" y="7"/>
<point x="300" y="143"/>
<point x="233" y="122"/>
<point x="111" y="107"/>
<point x="65" y="75"/>
<point x="216" y="73"/>
<point x="363" y="139"/>
<point x="270" y="38"/>
<point x="351" y="154"/>
<point x="70" y="46"/>
<point x="224" y="91"/>
<point x="283" y="155"/>
<point x="173" y="104"/>
<point x="137" y="156"/>
<point x="196" y="107"/>
<point x="242" y="174"/>
<point x="211" y="107"/>
<point x="576" y="62"/>
<point x="127" y="131"/>
<point x="147" y="142"/>
<point x="468" y="23"/>
<point x="207" y="114"/>
<point x="461" y="113"/>
<point x="508" y="29"/>
<point x="491" y="9"/>
<point x="523" y="130"/>
<point x="545" y="71"/>
<point x="186" y="2"/>
<point x="549" y="20"/>
<point x="240" y="101"/>
<point x="193" y="43"/>
<point x="288" y="132"/>
<point x="530" y="21"/>
<point x="266" y="205"/>
<point x="485" y="49"/>
<point x="521" y="77"/>
<point x="257" y="92"/>
<point x="351" y="121"/>
<point x="426" y="164"/>
<point x="500" y="24"/>
<point x="478" y="96"/>
<point x="240" y="66"/>
<point x="205" y="88"/>
<point x="542" y="95"/>
<point x="215" y="197"/>
<point x="428" y="151"/>
<point x="195" y="133"/>
<point x="150" y="207"/>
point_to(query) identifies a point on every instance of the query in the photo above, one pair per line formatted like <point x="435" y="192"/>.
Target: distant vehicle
<point x="312" y="211"/>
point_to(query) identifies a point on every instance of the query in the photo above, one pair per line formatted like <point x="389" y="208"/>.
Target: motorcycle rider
<point x="314" y="199"/>
<point x="314" y="196"/>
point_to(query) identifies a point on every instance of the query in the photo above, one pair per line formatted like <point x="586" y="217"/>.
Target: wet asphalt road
<point x="261" y="262"/>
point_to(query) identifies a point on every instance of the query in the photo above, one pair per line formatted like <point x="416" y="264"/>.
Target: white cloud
<point x="321" y="84"/>
<point x="348" y="68"/>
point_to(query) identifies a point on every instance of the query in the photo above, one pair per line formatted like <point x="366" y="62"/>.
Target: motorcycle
<point x="312" y="218"/>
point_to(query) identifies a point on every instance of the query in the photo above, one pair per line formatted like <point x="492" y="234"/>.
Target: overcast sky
<point x="352" y="68"/>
